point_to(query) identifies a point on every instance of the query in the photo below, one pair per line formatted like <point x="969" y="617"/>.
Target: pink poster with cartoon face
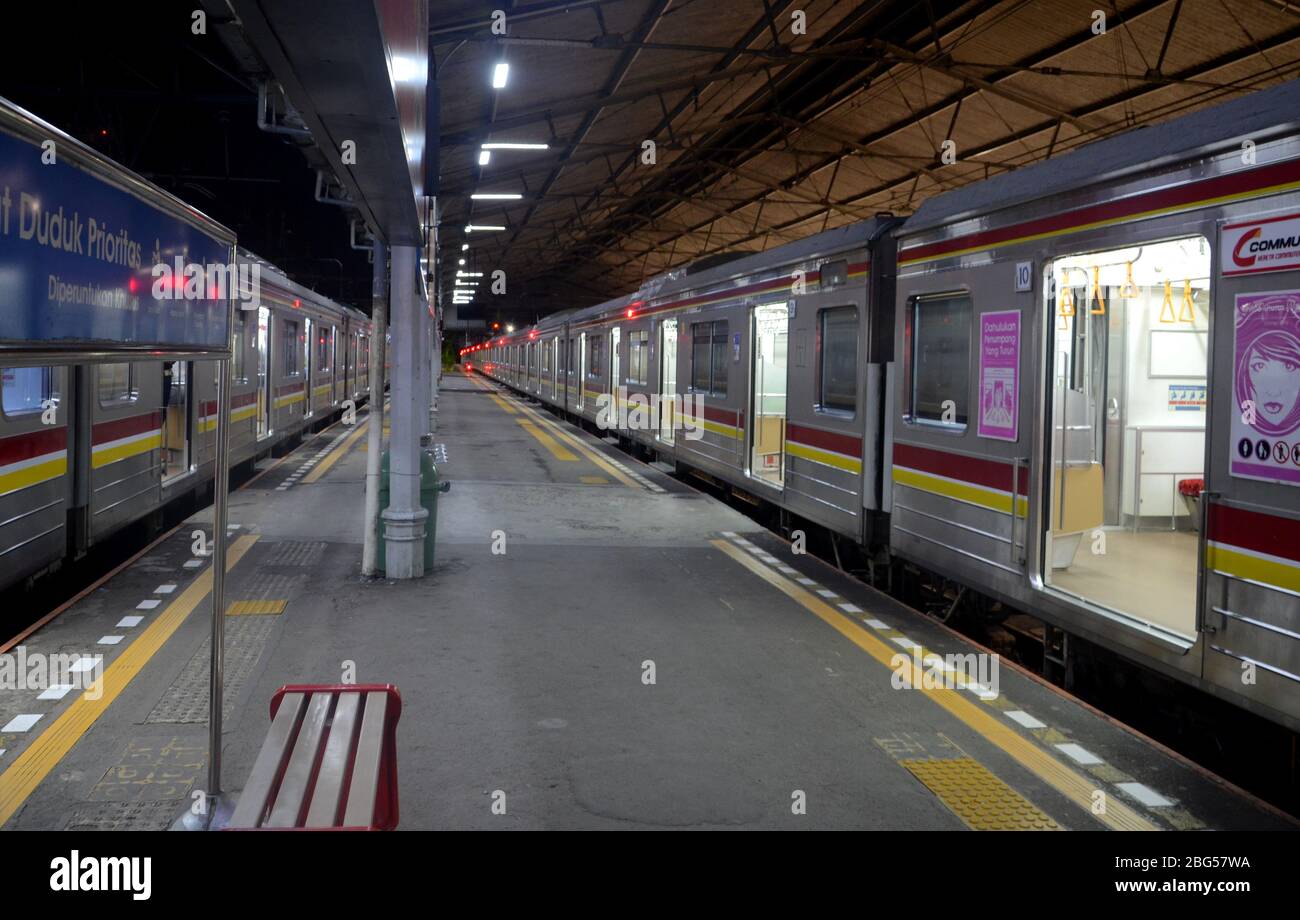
<point x="999" y="379"/>
<point x="1266" y="387"/>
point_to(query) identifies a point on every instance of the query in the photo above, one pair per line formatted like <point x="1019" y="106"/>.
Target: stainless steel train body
<point x="1080" y="395"/>
<point x="90" y="448"/>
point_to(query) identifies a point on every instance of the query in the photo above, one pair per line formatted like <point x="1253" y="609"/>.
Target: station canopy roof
<point x="763" y="136"/>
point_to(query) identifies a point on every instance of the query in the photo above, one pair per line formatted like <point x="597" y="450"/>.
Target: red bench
<point x="329" y="761"/>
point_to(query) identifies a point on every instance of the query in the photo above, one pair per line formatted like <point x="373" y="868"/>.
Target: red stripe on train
<point x="824" y="440"/>
<point x="125" y="427"/>
<point x="289" y="388"/>
<point x="1231" y="184"/>
<point x="1255" y="531"/>
<point x="980" y="471"/>
<point x="19" y="447"/>
<point x="236" y="402"/>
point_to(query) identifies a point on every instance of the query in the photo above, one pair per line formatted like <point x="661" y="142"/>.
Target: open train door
<point x="1249" y="599"/>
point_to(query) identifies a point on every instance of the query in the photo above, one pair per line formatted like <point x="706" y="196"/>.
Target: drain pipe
<point x="268" y="124"/>
<point x="375" y="436"/>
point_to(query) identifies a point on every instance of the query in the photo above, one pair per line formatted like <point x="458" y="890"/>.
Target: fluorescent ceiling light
<point x="496" y="196"/>
<point x="464" y="246"/>
<point x="483" y="157"/>
<point x="461" y="261"/>
<point x="461" y="274"/>
<point x="511" y="145"/>
<point x="500" y="74"/>
<point x="470" y="228"/>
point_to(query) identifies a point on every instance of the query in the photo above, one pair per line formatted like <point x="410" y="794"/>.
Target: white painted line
<point x="729" y="534"/>
<point x="164" y="589"/>
<point x="743" y="542"/>
<point x="2" y="752"/>
<point x="904" y="642"/>
<point x="826" y="592"/>
<point x="1079" y="754"/>
<point x="850" y="608"/>
<point x="282" y="488"/>
<point x="148" y="605"/>
<point x="981" y="691"/>
<point x="128" y="622"/>
<point x="786" y="570"/>
<point x="1022" y="718"/>
<point x="22" y="723"/>
<point x="805" y="581"/>
<point x="877" y="624"/>
<point x="110" y="640"/>
<point x="194" y="563"/>
<point x="1145" y="794"/>
<point x="57" y="692"/>
<point x="84" y="663"/>
<point x="770" y="560"/>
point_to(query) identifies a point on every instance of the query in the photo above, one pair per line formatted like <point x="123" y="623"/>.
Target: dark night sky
<point x="131" y="80"/>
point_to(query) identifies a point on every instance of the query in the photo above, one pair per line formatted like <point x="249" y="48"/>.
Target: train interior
<point x="770" y="335"/>
<point x="1128" y="370"/>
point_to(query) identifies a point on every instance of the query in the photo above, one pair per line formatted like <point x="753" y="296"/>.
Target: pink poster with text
<point x="999" y="379"/>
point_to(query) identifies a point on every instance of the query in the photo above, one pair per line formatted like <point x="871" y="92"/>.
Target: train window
<point x="26" y="389"/>
<point x="595" y="355"/>
<point x="837" y="358"/>
<point x="323" y="351"/>
<point x="709" y="358"/>
<point x="638" y="357"/>
<point x="941" y="334"/>
<point x="115" y="384"/>
<point x="241" y="343"/>
<point x="292" y="349"/>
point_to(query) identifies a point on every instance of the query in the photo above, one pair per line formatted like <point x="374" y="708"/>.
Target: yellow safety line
<point x="588" y="452"/>
<point x="557" y="450"/>
<point x="504" y="405"/>
<point x="31" y="767"/>
<point x="333" y="457"/>
<point x="1075" y="787"/>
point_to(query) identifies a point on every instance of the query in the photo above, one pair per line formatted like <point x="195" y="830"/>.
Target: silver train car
<point x="127" y="439"/>
<point x="1073" y="389"/>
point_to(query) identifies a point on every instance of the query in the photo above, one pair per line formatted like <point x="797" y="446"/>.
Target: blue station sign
<point x="82" y="260"/>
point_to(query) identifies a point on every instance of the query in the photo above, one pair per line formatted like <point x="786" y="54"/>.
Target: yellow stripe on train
<point x="830" y="458"/>
<point x="1263" y="569"/>
<point x="993" y="499"/>
<point x="33" y="474"/>
<point x="121" y="450"/>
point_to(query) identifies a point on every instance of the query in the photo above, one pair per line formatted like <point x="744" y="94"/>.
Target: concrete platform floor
<point x="598" y="646"/>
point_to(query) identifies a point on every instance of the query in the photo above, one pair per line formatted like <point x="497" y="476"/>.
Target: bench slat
<point x="298" y="774"/>
<point x="328" y="795"/>
<point x="365" y="774"/>
<point x="270" y="760"/>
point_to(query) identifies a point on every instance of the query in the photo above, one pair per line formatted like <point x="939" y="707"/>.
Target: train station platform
<point x="598" y="646"/>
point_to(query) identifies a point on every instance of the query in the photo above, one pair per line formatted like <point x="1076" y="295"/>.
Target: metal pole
<point x="375" y="437"/>
<point x="220" y="486"/>
<point x="404" y="518"/>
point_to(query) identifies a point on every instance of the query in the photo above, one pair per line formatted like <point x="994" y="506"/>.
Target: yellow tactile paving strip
<point x="256" y="608"/>
<point x="979" y="798"/>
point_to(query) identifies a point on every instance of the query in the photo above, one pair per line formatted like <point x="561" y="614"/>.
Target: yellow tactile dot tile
<point x="978" y="797"/>
<point x="255" y="608"/>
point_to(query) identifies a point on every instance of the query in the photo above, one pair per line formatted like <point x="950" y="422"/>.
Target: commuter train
<point x="1072" y="390"/>
<point x="88" y="447"/>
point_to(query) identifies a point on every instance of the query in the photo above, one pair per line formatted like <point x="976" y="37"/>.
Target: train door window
<point x="263" y="372"/>
<point x="709" y="358"/>
<point x="27" y="391"/>
<point x="1127" y="390"/>
<point x="940" y="359"/>
<point x="116" y="385"/>
<point x="837" y="360"/>
<point x="770" y="333"/>
<point x="555" y="368"/>
<point x="638" y="357"/>
<point x="614" y="337"/>
<point x="667" y="379"/>
<point x="239" y="367"/>
<point x="176" y="418"/>
<point x="580" y="383"/>
<point x="291" y="350"/>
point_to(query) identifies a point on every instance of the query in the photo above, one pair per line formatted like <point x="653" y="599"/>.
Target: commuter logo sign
<point x="1266" y="245"/>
